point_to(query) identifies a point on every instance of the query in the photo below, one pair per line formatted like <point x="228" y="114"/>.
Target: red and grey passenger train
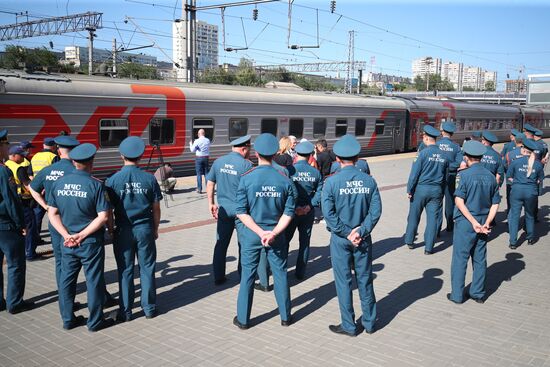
<point x="104" y="111"/>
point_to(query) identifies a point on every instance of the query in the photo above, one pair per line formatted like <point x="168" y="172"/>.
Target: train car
<point x="538" y="117"/>
<point x="469" y="117"/>
<point x="104" y="111"/>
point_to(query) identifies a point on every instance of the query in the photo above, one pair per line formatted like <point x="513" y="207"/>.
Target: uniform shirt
<point x="361" y="165"/>
<point x="518" y="173"/>
<point x="429" y="168"/>
<point x="479" y="189"/>
<point x="265" y="194"/>
<point x="11" y="212"/>
<point x="511" y="156"/>
<point x="420" y="147"/>
<point x="79" y="198"/>
<point x="201" y="147"/>
<point x="492" y="161"/>
<point x="451" y="151"/>
<point x="226" y="172"/>
<point x="351" y="199"/>
<point x="507" y="148"/>
<point x="132" y="193"/>
<point x="22" y="179"/>
<point x="47" y="177"/>
<point x="543" y="149"/>
<point x="309" y="184"/>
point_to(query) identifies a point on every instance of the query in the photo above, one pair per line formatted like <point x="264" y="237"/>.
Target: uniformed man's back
<point x="431" y="168"/>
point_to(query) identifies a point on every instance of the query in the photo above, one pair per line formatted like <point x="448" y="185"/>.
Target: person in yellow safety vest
<point x="41" y="160"/>
<point x="22" y="180"/>
<point x="46" y="157"/>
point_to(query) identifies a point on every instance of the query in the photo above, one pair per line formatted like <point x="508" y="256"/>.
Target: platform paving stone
<point x="417" y="325"/>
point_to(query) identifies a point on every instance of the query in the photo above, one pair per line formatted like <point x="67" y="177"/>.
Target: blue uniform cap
<point x="132" y="147"/>
<point x="514" y="132"/>
<point x="16" y="149"/>
<point x="83" y="152"/>
<point x="476" y="134"/>
<point x="529" y="128"/>
<point x="431" y="131"/>
<point x="448" y="127"/>
<point x="530" y="144"/>
<point x="266" y="144"/>
<point x="3" y="134"/>
<point x="490" y="137"/>
<point x="65" y="141"/>
<point x="25" y="144"/>
<point x="347" y="147"/>
<point x="305" y="148"/>
<point x="520" y="136"/>
<point x="241" y="141"/>
<point x="474" y="148"/>
<point x="49" y="142"/>
<point x="538" y="132"/>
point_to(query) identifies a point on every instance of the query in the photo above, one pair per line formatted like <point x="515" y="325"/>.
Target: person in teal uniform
<point x="265" y="206"/>
<point x="476" y="199"/>
<point x="525" y="175"/>
<point x="224" y="177"/>
<point x="530" y="131"/>
<point x="78" y="208"/>
<point x="543" y="148"/>
<point x="425" y="190"/>
<point x="451" y="150"/>
<point x="509" y="145"/>
<point x="352" y="207"/>
<point x="491" y="159"/>
<point x="12" y="241"/>
<point x="309" y="185"/>
<point x="511" y="156"/>
<point x="135" y="196"/>
<point x="41" y="187"/>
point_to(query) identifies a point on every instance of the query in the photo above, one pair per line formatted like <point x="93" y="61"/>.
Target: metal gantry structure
<point x="51" y="26"/>
<point x="316" y="67"/>
<point x="351" y="63"/>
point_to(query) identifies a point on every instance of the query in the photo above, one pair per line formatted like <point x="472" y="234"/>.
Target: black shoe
<point x="426" y="252"/>
<point x="23" y="306"/>
<point x="287" y="322"/>
<point x="121" y="318"/>
<point x="152" y="315"/>
<point x="37" y="257"/>
<point x="410" y="246"/>
<point x="337" y="329"/>
<point x="300" y="277"/>
<point x="260" y="287"/>
<point x="102" y="325"/>
<point x="76" y="322"/>
<point x="452" y="300"/>
<point x="371" y="331"/>
<point x="478" y="300"/>
<point x="220" y="281"/>
<point x="531" y="242"/>
<point x="110" y="302"/>
<point x="513" y="247"/>
<point x="238" y="324"/>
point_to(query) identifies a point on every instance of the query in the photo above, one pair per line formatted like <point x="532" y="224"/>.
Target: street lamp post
<point x="428" y="63"/>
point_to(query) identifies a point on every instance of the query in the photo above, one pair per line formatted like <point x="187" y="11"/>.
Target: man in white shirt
<point x="201" y="148"/>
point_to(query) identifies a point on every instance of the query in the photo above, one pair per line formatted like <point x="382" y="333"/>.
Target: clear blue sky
<point x="499" y="35"/>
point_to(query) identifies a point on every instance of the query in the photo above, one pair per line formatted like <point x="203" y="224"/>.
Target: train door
<point x="393" y="128"/>
<point x="407" y="134"/>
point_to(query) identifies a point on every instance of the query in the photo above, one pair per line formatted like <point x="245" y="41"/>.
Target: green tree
<point x="246" y="74"/>
<point x="16" y="57"/>
<point x="435" y="83"/>
<point x="217" y="76"/>
<point x="468" y="89"/>
<point x="137" y="71"/>
<point x="490" y="86"/>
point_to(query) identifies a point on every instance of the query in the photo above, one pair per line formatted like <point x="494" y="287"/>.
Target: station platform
<point x="417" y="325"/>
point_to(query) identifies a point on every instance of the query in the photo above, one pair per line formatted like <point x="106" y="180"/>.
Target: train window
<point x="112" y="132"/>
<point x="296" y="128"/>
<point x="360" y="127"/>
<point x="237" y="127"/>
<point x="341" y="127"/>
<point x="461" y="124"/>
<point x="319" y="127"/>
<point x="269" y="126"/>
<point x="379" y="127"/>
<point x="161" y="131"/>
<point x="206" y="124"/>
